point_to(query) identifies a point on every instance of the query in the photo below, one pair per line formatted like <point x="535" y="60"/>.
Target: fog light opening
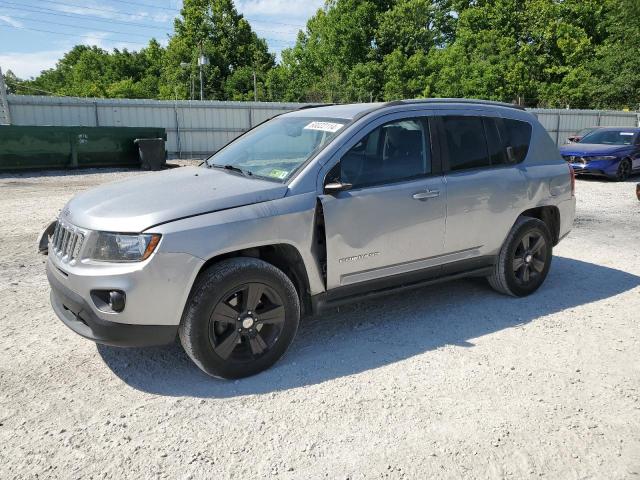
<point x="109" y="301"/>
<point x="116" y="301"/>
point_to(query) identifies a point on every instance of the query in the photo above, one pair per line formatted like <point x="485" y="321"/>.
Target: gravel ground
<point x="453" y="381"/>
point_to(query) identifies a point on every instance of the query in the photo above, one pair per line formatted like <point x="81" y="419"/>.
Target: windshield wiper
<point x="233" y="168"/>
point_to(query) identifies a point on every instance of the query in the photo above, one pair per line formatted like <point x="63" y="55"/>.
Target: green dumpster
<point x="25" y="147"/>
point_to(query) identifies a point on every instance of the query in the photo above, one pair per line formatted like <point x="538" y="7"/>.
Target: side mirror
<point x="336" y="187"/>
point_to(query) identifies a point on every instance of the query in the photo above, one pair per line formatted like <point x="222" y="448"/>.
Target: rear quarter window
<point x="516" y="136"/>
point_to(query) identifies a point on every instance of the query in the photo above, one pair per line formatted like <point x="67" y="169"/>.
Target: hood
<point x="138" y="203"/>
<point x="590" y="149"/>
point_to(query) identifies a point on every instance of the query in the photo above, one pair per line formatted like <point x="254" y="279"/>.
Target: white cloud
<point x="105" y="11"/>
<point x="26" y="65"/>
<point x="11" y="21"/>
<point x="289" y="11"/>
<point x="95" y="38"/>
<point x="101" y="40"/>
<point x="158" y="17"/>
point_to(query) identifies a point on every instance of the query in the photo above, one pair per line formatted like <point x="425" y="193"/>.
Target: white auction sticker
<point x="324" y="126"/>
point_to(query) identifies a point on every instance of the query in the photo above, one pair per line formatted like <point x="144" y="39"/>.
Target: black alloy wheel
<point x="241" y="316"/>
<point x="524" y="259"/>
<point x="529" y="259"/>
<point x="246" y="323"/>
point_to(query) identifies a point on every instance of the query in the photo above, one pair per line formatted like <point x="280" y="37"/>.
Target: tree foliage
<point x="554" y="53"/>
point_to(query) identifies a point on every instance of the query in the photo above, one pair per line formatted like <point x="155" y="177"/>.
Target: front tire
<point x="241" y="317"/>
<point x="624" y="170"/>
<point x="524" y="259"/>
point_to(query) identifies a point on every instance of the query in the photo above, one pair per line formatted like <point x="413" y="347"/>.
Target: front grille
<point x="575" y="159"/>
<point x="66" y="242"/>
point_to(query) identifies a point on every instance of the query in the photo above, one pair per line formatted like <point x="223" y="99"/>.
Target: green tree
<point x="93" y="72"/>
<point x="216" y="30"/>
<point x="615" y="82"/>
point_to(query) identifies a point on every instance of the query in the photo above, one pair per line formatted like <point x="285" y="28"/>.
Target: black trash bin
<point x="153" y="155"/>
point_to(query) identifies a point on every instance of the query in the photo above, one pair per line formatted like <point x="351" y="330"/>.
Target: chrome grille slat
<point x="70" y="244"/>
<point x="53" y="237"/>
<point x="65" y="239"/>
<point x="66" y="242"/>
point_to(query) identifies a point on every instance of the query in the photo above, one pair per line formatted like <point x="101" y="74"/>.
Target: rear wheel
<point x="241" y="316"/>
<point x="524" y="260"/>
<point x="624" y="170"/>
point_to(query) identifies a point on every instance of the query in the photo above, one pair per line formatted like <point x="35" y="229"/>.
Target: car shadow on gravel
<point x="376" y="333"/>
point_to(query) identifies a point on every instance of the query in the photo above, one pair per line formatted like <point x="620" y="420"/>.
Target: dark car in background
<point x="576" y="137"/>
<point x="612" y="152"/>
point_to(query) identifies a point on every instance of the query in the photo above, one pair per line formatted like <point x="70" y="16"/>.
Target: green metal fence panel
<point x="25" y="147"/>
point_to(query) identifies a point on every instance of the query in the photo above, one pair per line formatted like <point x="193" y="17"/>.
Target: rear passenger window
<point x="497" y="151"/>
<point x="516" y="136"/>
<point x="466" y="143"/>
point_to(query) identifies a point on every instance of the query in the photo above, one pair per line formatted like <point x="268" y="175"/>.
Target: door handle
<point x="426" y="195"/>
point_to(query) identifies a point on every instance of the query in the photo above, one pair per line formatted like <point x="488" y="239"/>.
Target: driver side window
<point x="395" y="151"/>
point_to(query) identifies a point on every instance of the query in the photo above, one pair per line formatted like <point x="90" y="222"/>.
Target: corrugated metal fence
<point x="562" y="123"/>
<point x="195" y="128"/>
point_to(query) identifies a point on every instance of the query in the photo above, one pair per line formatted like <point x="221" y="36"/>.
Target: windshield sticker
<point x="324" y="126"/>
<point x="279" y="174"/>
<point x="627" y="133"/>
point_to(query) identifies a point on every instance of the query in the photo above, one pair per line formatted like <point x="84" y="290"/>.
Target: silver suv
<point x="308" y="210"/>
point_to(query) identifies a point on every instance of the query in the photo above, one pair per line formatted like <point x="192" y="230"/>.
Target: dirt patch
<point x="453" y="381"/>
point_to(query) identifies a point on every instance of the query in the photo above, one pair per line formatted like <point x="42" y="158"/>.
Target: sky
<point x="34" y="34"/>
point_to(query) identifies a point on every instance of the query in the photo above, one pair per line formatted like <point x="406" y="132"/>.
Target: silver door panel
<point x="481" y="207"/>
<point x="369" y="229"/>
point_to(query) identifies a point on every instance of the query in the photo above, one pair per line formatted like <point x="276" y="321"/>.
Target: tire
<point x="241" y="316"/>
<point x="624" y="170"/>
<point x="515" y="258"/>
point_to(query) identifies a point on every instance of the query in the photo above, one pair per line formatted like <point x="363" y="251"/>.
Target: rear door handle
<point x="426" y="195"/>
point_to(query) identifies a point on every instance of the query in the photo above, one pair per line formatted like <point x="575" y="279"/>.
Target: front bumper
<point x="78" y="315"/>
<point x="603" y="168"/>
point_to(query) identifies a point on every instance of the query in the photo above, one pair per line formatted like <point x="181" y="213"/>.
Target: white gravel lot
<point x="452" y="381"/>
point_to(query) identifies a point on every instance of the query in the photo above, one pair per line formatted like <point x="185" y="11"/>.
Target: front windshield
<point x="277" y="148"/>
<point x="584" y="132"/>
<point x="609" y="137"/>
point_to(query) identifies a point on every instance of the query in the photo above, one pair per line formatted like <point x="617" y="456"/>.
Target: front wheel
<point x="524" y="259"/>
<point x="624" y="170"/>
<point x="241" y="317"/>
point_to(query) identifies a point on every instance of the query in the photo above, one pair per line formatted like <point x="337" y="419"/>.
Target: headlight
<point x="119" y="247"/>
<point x="604" y="157"/>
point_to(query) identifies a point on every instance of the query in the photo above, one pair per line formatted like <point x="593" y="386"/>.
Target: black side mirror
<point x="332" y="188"/>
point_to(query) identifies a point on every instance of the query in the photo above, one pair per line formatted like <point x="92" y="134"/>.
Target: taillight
<point x="573" y="180"/>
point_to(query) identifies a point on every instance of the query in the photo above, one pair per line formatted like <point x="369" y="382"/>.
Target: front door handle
<point x="426" y="195"/>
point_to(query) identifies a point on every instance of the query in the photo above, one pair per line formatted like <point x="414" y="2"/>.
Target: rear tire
<point x="524" y="259"/>
<point x="241" y="316"/>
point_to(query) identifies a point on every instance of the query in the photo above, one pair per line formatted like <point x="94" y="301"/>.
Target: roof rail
<point x="316" y="105"/>
<point x="470" y="101"/>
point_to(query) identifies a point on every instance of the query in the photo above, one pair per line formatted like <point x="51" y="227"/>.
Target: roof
<point x="615" y="128"/>
<point x="346" y="111"/>
<point x="352" y="110"/>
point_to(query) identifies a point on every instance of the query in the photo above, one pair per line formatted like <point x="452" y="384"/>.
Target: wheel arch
<point x="550" y="215"/>
<point x="283" y="256"/>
